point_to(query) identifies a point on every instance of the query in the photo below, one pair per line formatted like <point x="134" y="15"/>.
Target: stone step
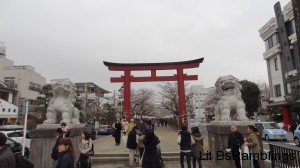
<point x="126" y="154"/>
<point x="125" y="159"/>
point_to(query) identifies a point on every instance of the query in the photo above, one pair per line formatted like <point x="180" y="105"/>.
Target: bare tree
<point x="142" y="101"/>
<point x="210" y="101"/>
<point x="169" y="97"/>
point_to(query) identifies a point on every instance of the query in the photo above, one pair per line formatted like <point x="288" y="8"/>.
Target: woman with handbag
<point x="86" y="151"/>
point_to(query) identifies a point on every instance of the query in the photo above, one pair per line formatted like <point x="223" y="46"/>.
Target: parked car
<point x="105" y="129"/>
<point x="280" y="125"/>
<point x="16" y="147"/>
<point x="297" y="136"/>
<point x="270" y="130"/>
<point x="18" y="136"/>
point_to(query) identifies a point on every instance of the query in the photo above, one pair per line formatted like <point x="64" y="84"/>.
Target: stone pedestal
<point x="218" y="132"/>
<point x="43" y="139"/>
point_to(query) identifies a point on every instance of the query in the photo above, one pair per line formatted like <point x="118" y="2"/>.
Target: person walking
<point x="151" y="158"/>
<point x="130" y="125"/>
<point x="132" y="145"/>
<point x="66" y="154"/>
<point x="117" y="133"/>
<point x="293" y="127"/>
<point x="235" y="141"/>
<point x="144" y="127"/>
<point x="185" y="140"/>
<point x="54" y="151"/>
<point x="252" y="142"/>
<point x="7" y="158"/>
<point x="125" y="126"/>
<point x="197" y="148"/>
<point x="86" y="151"/>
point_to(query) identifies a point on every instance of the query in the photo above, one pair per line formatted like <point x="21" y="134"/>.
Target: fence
<point x="284" y="157"/>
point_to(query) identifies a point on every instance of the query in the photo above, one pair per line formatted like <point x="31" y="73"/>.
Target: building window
<point x="34" y="86"/>
<point x="3" y="109"/>
<point x="9" y="82"/>
<point x="277" y="90"/>
<point x="275" y="64"/>
<point x="290" y="27"/>
<point x="271" y="41"/>
<point x="293" y="87"/>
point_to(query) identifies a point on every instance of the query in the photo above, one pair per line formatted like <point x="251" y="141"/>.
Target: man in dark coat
<point x="117" y="132"/>
<point x="235" y="141"/>
<point x="132" y="145"/>
<point x="7" y="158"/>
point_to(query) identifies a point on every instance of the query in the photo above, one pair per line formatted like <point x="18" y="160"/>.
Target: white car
<point x="18" y="137"/>
<point x="15" y="132"/>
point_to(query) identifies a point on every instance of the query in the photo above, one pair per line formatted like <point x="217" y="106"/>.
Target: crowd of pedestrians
<point x="143" y="146"/>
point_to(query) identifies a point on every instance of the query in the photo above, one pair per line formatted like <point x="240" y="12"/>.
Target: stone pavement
<point x="168" y="142"/>
<point x="108" y="155"/>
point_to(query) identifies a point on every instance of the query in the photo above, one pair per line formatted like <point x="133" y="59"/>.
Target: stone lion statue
<point x="64" y="93"/>
<point x="230" y="105"/>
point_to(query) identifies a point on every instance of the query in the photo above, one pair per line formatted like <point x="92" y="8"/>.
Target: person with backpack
<point x="235" y="141"/>
<point x="66" y="154"/>
<point x="185" y="140"/>
<point x="86" y="151"/>
<point x="151" y="154"/>
<point x="54" y="151"/>
<point x="7" y="158"/>
<point x="197" y="148"/>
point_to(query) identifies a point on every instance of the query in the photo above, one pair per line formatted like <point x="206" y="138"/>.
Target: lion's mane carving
<point x="230" y="105"/>
<point x="64" y="93"/>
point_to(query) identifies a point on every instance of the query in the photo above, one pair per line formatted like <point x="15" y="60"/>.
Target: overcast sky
<point x="71" y="38"/>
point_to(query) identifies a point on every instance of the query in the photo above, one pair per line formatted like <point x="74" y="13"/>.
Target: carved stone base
<point x="43" y="139"/>
<point x="218" y="132"/>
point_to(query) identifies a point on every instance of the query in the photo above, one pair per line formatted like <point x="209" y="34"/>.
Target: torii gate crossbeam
<point x="180" y="77"/>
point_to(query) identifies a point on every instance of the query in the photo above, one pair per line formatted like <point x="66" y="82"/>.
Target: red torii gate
<point x="153" y="67"/>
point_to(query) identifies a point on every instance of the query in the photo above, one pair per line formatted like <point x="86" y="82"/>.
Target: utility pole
<point x="25" y="128"/>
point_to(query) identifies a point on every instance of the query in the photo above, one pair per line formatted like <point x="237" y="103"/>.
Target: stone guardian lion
<point x="64" y="93"/>
<point x="230" y="105"/>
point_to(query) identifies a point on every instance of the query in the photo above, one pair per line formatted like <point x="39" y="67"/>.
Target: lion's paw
<point x="225" y="118"/>
<point x="242" y="118"/>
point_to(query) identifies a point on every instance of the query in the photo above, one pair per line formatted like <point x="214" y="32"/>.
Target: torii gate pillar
<point x="180" y="77"/>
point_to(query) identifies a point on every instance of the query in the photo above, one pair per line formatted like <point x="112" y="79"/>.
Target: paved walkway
<point x="167" y="136"/>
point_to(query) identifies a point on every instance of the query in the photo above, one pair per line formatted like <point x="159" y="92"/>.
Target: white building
<point x="24" y="79"/>
<point x="8" y="111"/>
<point x="200" y="94"/>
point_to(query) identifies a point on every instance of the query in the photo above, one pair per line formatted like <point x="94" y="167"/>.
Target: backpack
<point x="23" y="162"/>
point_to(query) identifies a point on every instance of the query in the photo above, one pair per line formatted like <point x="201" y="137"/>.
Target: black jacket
<point x="235" y="141"/>
<point x="131" y="141"/>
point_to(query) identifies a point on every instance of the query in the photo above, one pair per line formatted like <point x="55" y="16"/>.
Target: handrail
<point x="282" y="156"/>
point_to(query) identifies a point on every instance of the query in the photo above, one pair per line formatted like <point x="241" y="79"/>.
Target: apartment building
<point x="23" y="79"/>
<point x="283" y="61"/>
<point x="199" y="96"/>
